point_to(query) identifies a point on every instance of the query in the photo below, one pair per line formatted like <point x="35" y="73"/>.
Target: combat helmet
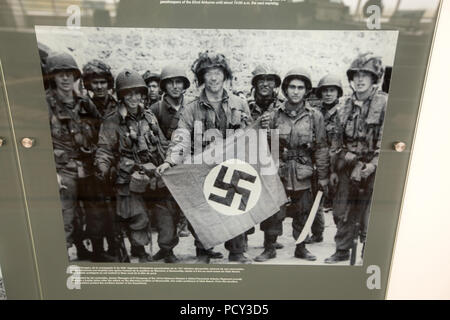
<point x="209" y="59"/>
<point x="149" y="76"/>
<point x="297" y="73"/>
<point x="263" y="70"/>
<point x="129" y="79"/>
<point x="330" y="80"/>
<point x="366" y="62"/>
<point x="62" y="61"/>
<point x="170" y="72"/>
<point x="97" y="68"/>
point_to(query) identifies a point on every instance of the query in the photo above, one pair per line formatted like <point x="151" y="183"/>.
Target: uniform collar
<point x="169" y="105"/>
<point x="294" y="113"/>
<point x="124" y="114"/>
<point x="204" y="100"/>
<point x="256" y="107"/>
<point x="369" y="98"/>
<point x="329" y="109"/>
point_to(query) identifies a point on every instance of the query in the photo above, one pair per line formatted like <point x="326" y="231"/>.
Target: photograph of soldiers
<point x="114" y="125"/>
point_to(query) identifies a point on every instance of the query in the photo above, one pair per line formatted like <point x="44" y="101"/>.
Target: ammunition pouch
<point x="303" y="171"/>
<point x="125" y="169"/>
<point x="139" y="182"/>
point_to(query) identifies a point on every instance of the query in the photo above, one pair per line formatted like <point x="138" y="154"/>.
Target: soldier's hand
<point x="350" y="158"/>
<point x="368" y="169"/>
<point x="160" y="170"/>
<point x="323" y="186"/>
<point x="265" y="120"/>
<point x="102" y="172"/>
<point x="334" y="180"/>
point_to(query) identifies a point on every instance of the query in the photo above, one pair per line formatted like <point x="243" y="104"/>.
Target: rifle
<point x="120" y="251"/>
<point x="356" y="192"/>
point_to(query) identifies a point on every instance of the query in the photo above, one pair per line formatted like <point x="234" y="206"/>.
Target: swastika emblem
<point x="232" y="187"/>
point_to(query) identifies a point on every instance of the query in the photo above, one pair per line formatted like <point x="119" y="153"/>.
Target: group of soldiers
<point x="112" y="145"/>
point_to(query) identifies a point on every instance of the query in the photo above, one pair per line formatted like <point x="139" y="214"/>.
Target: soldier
<point x="264" y="97"/>
<point x="216" y="110"/>
<point x="131" y="141"/>
<point x="303" y="145"/>
<point x="98" y="80"/>
<point x="328" y="91"/>
<point x="152" y="81"/>
<point x="167" y="110"/>
<point x="73" y="138"/>
<point x="362" y="118"/>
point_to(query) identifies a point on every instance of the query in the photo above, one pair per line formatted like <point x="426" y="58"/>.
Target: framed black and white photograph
<point x="321" y="95"/>
<point x="213" y="150"/>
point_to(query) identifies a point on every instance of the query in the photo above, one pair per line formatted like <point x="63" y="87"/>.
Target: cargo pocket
<point x="139" y="182"/>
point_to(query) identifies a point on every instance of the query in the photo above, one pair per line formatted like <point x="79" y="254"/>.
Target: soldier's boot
<point x="111" y="246"/>
<point x="99" y="254"/>
<point x="278" y="245"/>
<point x="238" y="257"/>
<point x="338" y="256"/>
<point x="134" y="251"/>
<point x="214" y="254"/>
<point x="269" y="249"/>
<point x="183" y="228"/>
<point x="161" y="254"/>
<point x="302" y="253"/>
<point x="139" y="251"/>
<point x="314" y="239"/>
<point x="82" y="252"/>
<point x="202" y="255"/>
<point x="171" y="258"/>
<point x="184" y="232"/>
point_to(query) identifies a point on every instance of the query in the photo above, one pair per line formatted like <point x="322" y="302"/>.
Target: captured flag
<point x="228" y="188"/>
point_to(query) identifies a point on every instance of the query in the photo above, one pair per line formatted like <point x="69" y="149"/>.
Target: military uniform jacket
<point x="167" y="116"/>
<point x="303" y="145"/>
<point x="72" y="131"/>
<point x="127" y="141"/>
<point x="257" y="111"/>
<point x="362" y="125"/>
<point x="105" y="108"/>
<point x="333" y="128"/>
<point x="202" y="116"/>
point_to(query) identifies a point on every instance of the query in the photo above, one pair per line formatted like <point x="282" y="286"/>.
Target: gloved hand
<point x="334" y="180"/>
<point x="368" y="169"/>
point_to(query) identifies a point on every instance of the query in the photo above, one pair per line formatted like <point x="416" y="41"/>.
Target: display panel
<point x="57" y="276"/>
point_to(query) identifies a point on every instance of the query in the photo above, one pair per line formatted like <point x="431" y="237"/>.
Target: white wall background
<point x="421" y="263"/>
